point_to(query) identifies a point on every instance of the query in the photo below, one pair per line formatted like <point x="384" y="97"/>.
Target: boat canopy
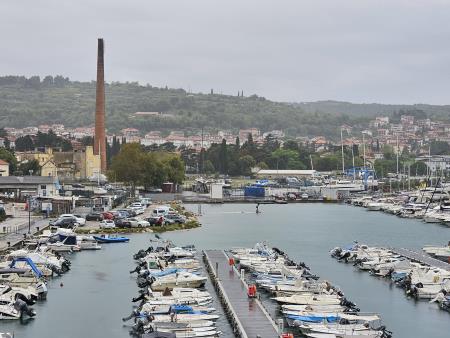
<point x="33" y="267"/>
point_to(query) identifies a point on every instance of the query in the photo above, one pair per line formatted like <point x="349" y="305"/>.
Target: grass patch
<point x="113" y="231"/>
<point x="191" y="224"/>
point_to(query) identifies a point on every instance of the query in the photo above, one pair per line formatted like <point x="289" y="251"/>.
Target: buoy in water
<point x="61" y="285"/>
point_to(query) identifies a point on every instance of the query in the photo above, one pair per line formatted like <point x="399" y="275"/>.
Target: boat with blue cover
<point x="110" y="239"/>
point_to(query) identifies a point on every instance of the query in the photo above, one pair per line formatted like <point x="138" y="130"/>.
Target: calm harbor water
<point x="98" y="289"/>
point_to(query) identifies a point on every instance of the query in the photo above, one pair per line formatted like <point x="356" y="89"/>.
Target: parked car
<point x="177" y="218"/>
<point x="162" y="211"/>
<point x="80" y="220"/>
<point x="155" y="190"/>
<point x="122" y="223"/>
<point x="155" y="220"/>
<point x="107" y="224"/>
<point x="94" y="216"/>
<point x="168" y="221"/>
<point x="146" y="201"/>
<point x="139" y="211"/>
<point x="123" y="213"/>
<point x="67" y="222"/>
<point x="128" y="212"/>
<point x="107" y="215"/>
<point x="136" y="205"/>
<point x="305" y="196"/>
<point x="138" y="223"/>
<point x="115" y="214"/>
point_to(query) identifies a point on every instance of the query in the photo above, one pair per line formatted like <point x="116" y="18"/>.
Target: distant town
<point x="410" y="135"/>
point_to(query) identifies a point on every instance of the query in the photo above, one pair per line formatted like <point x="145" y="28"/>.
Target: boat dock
<point x="247" y="316"/>
<point x="421" y="258"/>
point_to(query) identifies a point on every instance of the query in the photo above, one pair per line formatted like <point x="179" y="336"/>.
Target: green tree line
<point x="135" y="166"/>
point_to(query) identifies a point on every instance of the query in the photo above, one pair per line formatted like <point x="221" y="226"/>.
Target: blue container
<point x="252" y="191"/>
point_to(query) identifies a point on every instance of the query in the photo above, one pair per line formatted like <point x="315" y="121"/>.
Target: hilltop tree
<point x="24" y="143"/>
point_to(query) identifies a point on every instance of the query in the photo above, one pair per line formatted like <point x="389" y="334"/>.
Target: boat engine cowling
<point x="23" y="308"/>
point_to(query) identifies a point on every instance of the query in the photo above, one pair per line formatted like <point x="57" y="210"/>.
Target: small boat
<point x="86" y="243"/>
<point x="177" y="279"/>
<point x="110" y="239"/>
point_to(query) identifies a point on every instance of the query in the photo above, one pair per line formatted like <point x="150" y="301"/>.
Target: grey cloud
<point x="362" y="51"/>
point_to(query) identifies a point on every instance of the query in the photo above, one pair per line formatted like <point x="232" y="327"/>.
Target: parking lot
<point x="95" y="225"/>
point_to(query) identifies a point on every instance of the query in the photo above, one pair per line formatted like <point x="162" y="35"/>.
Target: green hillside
<point x="33" y="101"/>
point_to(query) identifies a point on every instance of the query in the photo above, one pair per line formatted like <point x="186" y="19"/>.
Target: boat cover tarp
<point x="69" y="240"/>
<point x="314" y="319"/>
<point x="166" y="272"/>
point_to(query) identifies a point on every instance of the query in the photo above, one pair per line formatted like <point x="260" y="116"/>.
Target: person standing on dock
<point x="257" y="208"/>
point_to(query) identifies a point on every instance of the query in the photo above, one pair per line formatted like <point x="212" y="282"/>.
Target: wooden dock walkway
<point x="421" y="258"/>
<point x="247" y="316"/>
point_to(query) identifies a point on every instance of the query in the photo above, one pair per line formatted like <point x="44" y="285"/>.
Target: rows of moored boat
<point x="419" y="280"/>
<point x="313" y="306"/>
<point x="430" y="211"/>
<point x="24" y="273"/>
<point x="439" y="252"/>
<point x="171" y="299"/>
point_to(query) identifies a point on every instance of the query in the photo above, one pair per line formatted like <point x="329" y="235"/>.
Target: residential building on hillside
<point x="4" y="168"/>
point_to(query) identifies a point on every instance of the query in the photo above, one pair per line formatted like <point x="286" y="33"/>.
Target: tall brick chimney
<point x="99" y="137"/>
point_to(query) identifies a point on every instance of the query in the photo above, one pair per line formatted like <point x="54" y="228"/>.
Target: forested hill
<point x="33" y="101"/>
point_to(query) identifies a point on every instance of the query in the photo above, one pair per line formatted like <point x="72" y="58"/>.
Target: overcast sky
<point x="393" y="51"/>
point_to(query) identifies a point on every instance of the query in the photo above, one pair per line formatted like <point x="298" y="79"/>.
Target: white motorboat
<point x="314" y="308"/>
<point x="7" y="311"/>
<point x="9" y="294"/>
<point x="178" y="279"/>
<point x="184" y="318"/>
<point x="87" y="243"/>
<point x="309" y="300"/>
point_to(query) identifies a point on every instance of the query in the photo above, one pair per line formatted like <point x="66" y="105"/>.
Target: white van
<point x="162" y="210"/>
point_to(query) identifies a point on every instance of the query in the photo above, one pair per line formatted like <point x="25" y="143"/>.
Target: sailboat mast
<point x="397" y="155"/>
<point x="342" y="153"/>
<point x="364" y="151"/>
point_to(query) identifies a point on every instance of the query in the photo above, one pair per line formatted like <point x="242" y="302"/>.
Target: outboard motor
<point x="144" y="274"/>
<point x="336" y="252"/>
<point x="346" y="303"/>
<point x="385" y="333"/>
<point x="41" y="289"/>
<point x="23" y="308"/>
<point x="389" y="273"/>
<point x="134" y="314"/>
<point x="137" y="270"/>
<point x="65" y="265"/>
<point x="55" y="270"/>
<point x="344" y="256"/>
<point x="358" y="261"/>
